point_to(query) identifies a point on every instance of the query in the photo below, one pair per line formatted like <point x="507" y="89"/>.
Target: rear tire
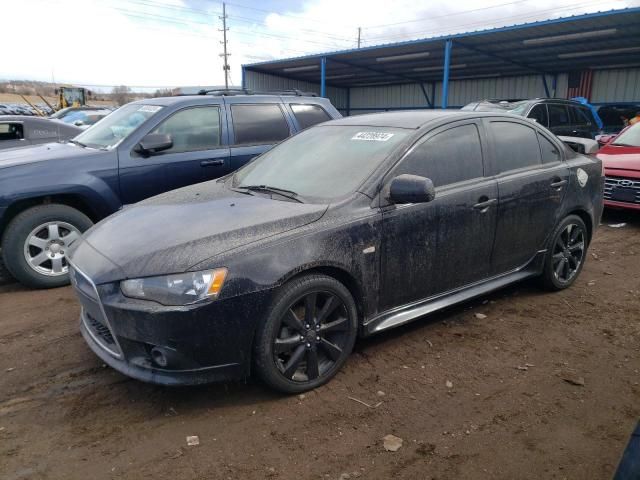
<point x="566" y="254"/>
<point x="307" y="335"/>
<point x="35" y="243"/>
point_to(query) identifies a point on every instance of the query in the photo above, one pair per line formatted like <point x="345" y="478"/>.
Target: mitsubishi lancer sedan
<point x="347" y="229"/>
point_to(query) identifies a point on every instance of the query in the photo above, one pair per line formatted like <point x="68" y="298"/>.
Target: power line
<point x="298" y="17"/>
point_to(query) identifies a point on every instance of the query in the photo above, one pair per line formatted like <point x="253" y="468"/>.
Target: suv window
<point x="258" y="124"/>
<point x="309" y="115"/>
<point x="448" y="157"/>
<point x="11" y="131"/>
<point x="558" y="115"/>
<point x="516" y="146"/>
<point x="191" y="129"/>
<point x="550" y="152"/>
<point x="582" y="116"/>
<point x="539" y="114"/>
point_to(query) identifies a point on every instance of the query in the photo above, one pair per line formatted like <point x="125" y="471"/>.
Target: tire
<point x="284" y="349"/>
<point x="566" y="254"/>
<point x="32" y="234"/>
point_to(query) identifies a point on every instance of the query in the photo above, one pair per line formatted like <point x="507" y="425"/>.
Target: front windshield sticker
<point x="149" y="108"/>
<point x="372" y="136"/>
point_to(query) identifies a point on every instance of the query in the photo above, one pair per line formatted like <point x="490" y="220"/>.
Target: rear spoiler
<point x="585" y="146"/>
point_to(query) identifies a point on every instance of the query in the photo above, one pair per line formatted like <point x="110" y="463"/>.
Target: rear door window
<point x="515" y="146"/>
<point x="558" y="115"/>
<point x="539" y="114"/>
<point x="550" y="153"/>
<point x="192" y="129"/>
<point x="584" y="117"/>
<point x="451" y="156"/>
<point x="309" y="115"/>
<point x="11" y="131"/>
<point x="258" y="124"/>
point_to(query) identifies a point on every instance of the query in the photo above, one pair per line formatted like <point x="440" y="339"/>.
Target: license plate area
<point x="622" y="194"/>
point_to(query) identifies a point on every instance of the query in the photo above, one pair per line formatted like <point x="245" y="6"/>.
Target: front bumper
<point x="197" y="344"/>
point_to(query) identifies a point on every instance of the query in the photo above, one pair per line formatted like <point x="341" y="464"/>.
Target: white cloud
<point x="147" y="43"/>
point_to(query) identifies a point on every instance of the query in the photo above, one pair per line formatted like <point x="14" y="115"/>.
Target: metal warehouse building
<point x="594" y="55"/>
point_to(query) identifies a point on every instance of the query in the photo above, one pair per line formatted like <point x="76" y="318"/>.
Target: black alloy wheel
<point x="308" y="335"/>
<point x="566" y="253"/>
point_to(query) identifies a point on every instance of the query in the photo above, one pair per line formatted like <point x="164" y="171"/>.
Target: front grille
<point x="100" y="329"/>
<point x="620" y="189"/>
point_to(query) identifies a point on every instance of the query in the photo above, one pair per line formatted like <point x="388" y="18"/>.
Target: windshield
<point x="117" y="126"/>
<point x="322" y="162"/>
<point x="629" y="138"/>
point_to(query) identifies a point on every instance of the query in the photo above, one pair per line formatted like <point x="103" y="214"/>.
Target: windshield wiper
<point x="76" y="142"/>
<point x="266" y="188"/>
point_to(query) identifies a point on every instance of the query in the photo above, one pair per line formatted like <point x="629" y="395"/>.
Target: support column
<point x="348" y="101"/>
<point x="323" y="77"/>
<point x="244" y="77"/>
<point x="445" y="76"/>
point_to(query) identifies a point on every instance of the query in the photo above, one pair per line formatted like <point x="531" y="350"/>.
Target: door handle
<point x="211" y="163"/>
<point x="484" y="203"/>
<point x="557" y="183"/>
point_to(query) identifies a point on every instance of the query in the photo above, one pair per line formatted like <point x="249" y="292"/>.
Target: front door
<point x="435" y="247"/>
<point x="532" y="179"/>
<point x="198" y="154"/>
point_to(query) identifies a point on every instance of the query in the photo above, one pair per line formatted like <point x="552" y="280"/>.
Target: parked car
<point x="562" y="117"/>
<point x="354" y="226"/>
<point x="20" y="131"/>
<point x="616" y="116"/>
<point x="621" y="159"/>
<point x="81" y="116"/>
<point x="51" y="193"/>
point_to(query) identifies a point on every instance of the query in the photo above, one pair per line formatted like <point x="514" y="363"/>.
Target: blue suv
<point x="50" y="194"/>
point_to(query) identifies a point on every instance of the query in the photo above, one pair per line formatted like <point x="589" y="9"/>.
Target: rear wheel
<point x="36" y="242"/>
<point x="566" y="254"/>
<point x="308" y="334"/>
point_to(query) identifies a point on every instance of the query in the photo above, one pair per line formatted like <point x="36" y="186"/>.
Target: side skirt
<point x="406" y="313"/>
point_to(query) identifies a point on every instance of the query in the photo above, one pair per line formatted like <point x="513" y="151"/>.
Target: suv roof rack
<point x="246" y="91"/>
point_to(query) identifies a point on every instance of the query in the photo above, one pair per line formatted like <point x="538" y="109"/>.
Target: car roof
<point x="166" y="101"/>
<point x="411" y="119"/>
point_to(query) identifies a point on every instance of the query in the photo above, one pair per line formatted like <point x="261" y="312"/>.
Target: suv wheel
<point x="36" y="241"/>
<point x="566" y="255"/>
<point x="308" y="334"/>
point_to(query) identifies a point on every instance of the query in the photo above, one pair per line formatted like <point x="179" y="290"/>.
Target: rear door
<point x="431" y="248"/>
<point x="198" y="154"/>
<point x="255" y="125"/>
<point x="584" y="124"/>
<point x="532" y="179"/>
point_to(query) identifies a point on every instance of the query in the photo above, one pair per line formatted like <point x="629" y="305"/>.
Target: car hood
<point x="45" y="152"/>
<point x="172" y="232"/>
<point x="620" y="158"/>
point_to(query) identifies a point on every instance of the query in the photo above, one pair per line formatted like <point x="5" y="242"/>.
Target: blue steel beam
<point x="323" y="77"/>
<point x="445" y="76"/>
<point x="426" y="96"/>
<point x="546" y="87"/>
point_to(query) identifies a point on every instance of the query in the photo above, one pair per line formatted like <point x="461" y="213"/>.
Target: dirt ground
<point x="546" y="386"/>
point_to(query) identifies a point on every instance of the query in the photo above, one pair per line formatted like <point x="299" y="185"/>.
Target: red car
<point x="621" y="160"/>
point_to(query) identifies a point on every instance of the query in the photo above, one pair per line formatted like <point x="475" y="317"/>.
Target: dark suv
<point x="50" y="194"/>
<point x="354" y="226"/>
<point x="563" y="117"/>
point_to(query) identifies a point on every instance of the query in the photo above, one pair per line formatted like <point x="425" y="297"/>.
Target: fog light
<point x="158" y="357"/>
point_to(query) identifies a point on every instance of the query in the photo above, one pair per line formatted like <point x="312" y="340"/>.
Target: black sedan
<point x="349" y="228"/>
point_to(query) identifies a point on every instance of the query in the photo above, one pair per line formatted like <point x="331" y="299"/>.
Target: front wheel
<point x="36" y="242"/>
<point x="307" y="335"/>
<point x="566" y="254"/>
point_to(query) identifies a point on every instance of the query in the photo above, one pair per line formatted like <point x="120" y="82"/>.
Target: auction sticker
<point x="583" y="177"/>
<point x="372" y="136"/>
<point x="149" y="108"/>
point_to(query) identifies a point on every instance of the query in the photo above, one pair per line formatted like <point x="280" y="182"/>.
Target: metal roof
<point x="596" y="40"/>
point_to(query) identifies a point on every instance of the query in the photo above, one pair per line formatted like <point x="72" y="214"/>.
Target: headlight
<point x="180" y="289"/>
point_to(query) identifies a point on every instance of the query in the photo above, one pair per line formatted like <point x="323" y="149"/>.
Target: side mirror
<point x="585" y="146"/>
<point x="154" y="143"/>
<point x="411" y="189"/>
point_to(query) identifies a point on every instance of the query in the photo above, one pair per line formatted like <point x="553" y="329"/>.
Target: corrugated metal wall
<point x="262" y="81"/>
<point x="616" y="86"/>
<point x="608" y="86"/>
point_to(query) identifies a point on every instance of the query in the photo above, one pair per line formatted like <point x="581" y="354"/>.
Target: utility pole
<point x="226" y="67"/>
<point x="359" y="31"/>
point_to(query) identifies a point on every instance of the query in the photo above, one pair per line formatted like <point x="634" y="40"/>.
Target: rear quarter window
<point x="11" y="131"/>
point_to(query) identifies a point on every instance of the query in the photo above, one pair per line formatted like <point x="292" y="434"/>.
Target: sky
<point x="149" y="44"/>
